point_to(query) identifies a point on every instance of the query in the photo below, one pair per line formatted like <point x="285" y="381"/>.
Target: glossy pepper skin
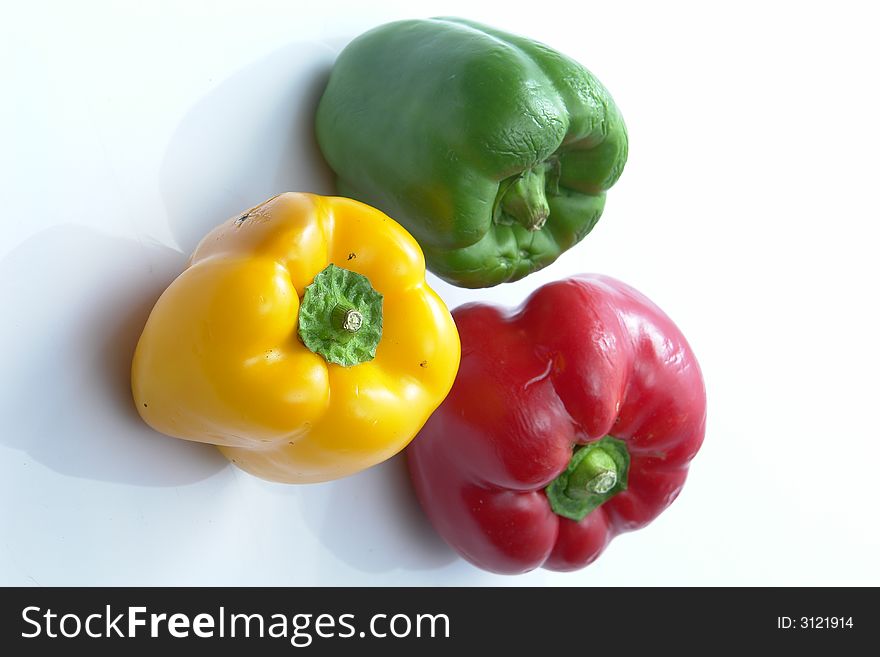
<point x="493" y="150"/>
<point x="221" y="359"/>
<point x="581" y="360"/>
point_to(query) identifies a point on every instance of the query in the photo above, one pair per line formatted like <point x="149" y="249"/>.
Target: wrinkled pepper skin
<point x="494" y="151"/>
<point x="220" y="360"/>
<point x="581" y="359"/>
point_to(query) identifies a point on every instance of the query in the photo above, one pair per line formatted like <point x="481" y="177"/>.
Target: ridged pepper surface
<point x="493" y="150"/>
<point x="572" y="419"/>
<point x="302" y="339"/>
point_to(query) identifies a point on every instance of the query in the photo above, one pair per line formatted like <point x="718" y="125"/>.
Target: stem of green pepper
<point x="526" y="200"/>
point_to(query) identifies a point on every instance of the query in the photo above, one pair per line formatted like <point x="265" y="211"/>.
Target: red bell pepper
<point x="572" y="419"/>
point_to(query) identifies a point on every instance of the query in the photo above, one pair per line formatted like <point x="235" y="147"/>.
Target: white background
<point x="748" y="211"/>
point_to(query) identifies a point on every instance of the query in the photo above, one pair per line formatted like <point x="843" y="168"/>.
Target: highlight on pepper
<point x="302" y="340"/>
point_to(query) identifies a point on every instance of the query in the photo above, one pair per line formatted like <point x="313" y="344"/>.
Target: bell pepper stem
<point x="596" y="473"/>
<point x="525" y="198"/>
<point x="340" y="317"/>
<point x="346" y="316"/>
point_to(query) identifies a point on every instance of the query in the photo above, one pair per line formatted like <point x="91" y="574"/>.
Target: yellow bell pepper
<point x="223" y="357"/>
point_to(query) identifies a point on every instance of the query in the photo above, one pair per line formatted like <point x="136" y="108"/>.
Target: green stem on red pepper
<point x="595" y="474"/>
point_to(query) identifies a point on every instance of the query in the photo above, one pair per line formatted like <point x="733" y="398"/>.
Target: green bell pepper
<point x="494" y="151"/>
